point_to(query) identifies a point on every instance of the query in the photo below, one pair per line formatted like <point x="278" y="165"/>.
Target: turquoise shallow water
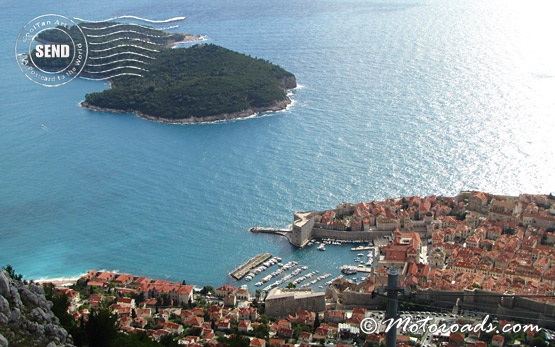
<point x="396" y="98"/>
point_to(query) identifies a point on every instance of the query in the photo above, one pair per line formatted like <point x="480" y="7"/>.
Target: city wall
<point x="349" y="235"/>
<point x="504" y="307"/>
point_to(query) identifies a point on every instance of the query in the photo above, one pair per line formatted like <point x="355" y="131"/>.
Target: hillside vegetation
<point x="203" y="80"/>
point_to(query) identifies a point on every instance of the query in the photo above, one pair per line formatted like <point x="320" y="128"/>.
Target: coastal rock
<point x="26" y="315"/>
<point x="15" y="297"/>
<point x="35" y="288"/>
<point x="31" y="297"/>
<point x="4" y="306"/>
<point x="15" y="316"/>
<point x="38" y="315"/>
<point x="3" y="341"/>
<point x="35" y="328"/>
<point x="289" y="82"/>
<point x="4" y="284"/>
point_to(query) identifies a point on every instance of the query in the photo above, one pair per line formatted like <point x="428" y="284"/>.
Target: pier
<point x="359" y="268"/>
<point x="242" y="270"/>
<point x="362" y="248"/>
<point x="266" y="230"/>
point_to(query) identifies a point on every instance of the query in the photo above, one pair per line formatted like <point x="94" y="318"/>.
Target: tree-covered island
<point x="201" y="83"/>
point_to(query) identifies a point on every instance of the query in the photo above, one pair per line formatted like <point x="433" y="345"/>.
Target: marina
<point x="278" y="272"/>
<point x="316" y="280"/>
<point x="254" y="262"/>
<point x="265" y="265"/>
<point x="267" y="272"/>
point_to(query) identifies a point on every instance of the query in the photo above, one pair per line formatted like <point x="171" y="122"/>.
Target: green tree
<point x="236" y="340"/>
<point x="60" y="304"/>
<point x="264" y="318"/>
<point x="538" y="341"/>
<point x="207" y="289"/>
<point x="11" y="272"/>
<point x="261" y="331"/>
<point x="101" y="329"/>
<point x="139" y="297"/>
<point x="316" y="321"/>
<point x="169" y="341"/>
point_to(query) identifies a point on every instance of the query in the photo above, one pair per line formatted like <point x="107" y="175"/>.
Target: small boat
<point x="322" y="247"/>
<point x="348" y="271"/>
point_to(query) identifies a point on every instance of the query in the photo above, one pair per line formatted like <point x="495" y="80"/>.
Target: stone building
<point x="281" y="302"/>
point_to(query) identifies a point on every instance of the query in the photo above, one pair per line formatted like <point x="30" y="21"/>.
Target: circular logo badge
<point x="51" y="50"/>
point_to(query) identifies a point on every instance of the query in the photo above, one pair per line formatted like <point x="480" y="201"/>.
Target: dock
<point x="266" y="230"/>
<point x="359" y="268"/>
<point x="242" y="270"/>
<point x="362" y="248"/>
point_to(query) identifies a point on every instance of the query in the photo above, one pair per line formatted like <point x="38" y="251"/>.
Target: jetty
<point x="362" y="248"/>
<point x="358" y="268"/>
<point x="266" y="230"/>
<point x="242" y="270"/>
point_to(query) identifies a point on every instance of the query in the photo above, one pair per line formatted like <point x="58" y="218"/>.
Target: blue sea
<point x="395" y="98"/>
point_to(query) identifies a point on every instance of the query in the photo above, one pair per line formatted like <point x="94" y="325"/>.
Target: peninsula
<point x="368" y="221"/>
<point x="150" y="79"/>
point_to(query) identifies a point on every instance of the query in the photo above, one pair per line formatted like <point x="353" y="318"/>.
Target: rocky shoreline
<point x="277" y="106"/>
<point x="188" y="39"/>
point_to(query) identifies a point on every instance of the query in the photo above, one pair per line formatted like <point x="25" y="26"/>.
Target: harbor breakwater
<point x="299" y="235"/>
